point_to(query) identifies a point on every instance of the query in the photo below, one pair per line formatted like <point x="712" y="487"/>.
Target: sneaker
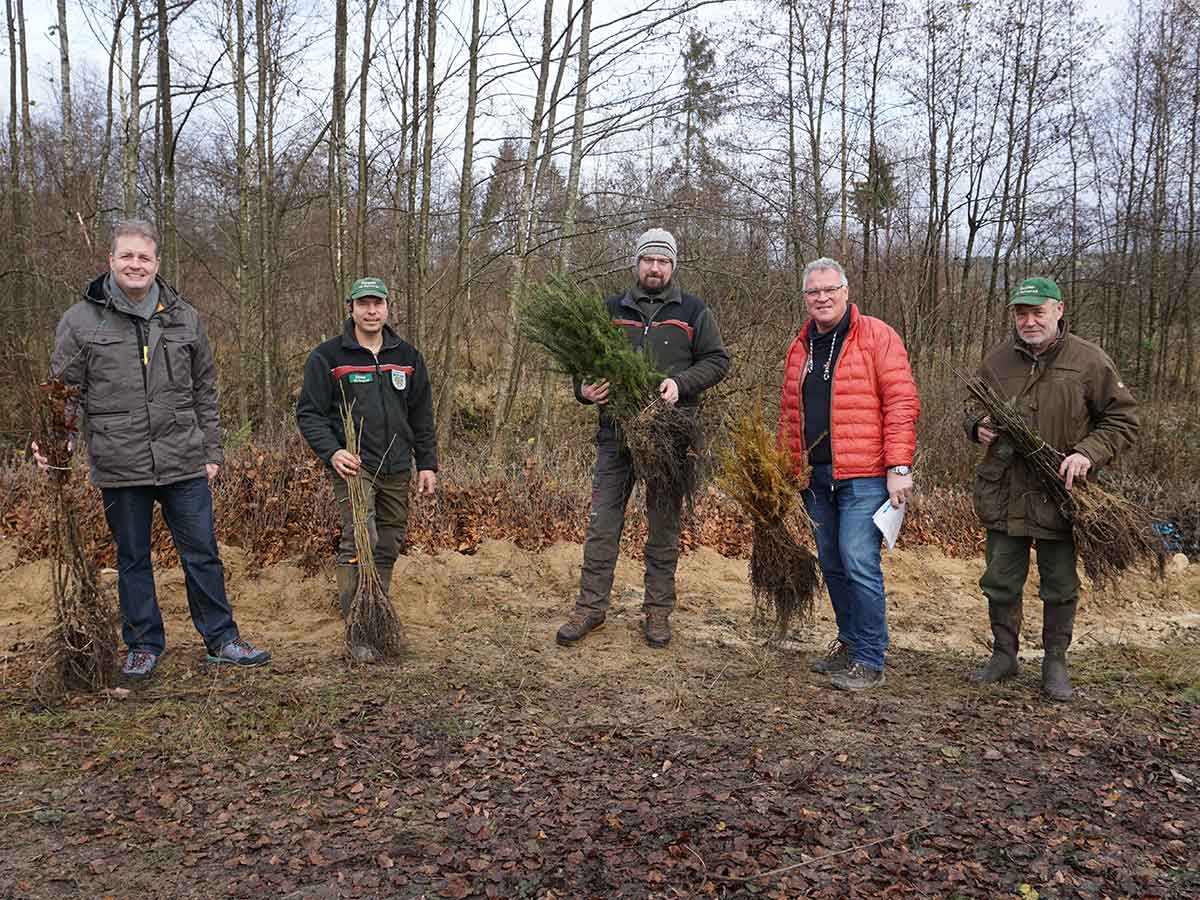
<point x="579" y="625"/>
<point x="836" y="659"/>
<point x="657" y="628"/>
<point x="857" y="677"/>
<point x="139" y="664"/>
<point x="239" y="653"/>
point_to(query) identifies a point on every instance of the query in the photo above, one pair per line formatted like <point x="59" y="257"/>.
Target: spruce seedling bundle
<point x="1111" y="533"/>
<point x="763" y="480"/>
<point x="372" y="620"/>
<point x="83" y="643"/>
<point x="575" y="329"/>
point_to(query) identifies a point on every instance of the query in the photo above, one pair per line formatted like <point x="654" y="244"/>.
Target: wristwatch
<point x="900" y="470"/>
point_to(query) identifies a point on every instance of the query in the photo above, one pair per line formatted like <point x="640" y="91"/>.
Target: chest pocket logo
<point x="399" y="379"/>
<point x="361" y="377"/>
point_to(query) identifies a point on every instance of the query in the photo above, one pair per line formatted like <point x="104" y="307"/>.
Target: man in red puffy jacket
<point x="850" y="406"/>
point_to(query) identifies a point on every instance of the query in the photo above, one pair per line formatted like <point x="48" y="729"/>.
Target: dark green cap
<point x="368" y="287"/>
<point x="1035" y="292"/>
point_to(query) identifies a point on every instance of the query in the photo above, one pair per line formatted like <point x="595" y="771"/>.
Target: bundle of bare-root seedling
<point x="784" y="573"/>
<point x="372" y="620"/>
<point x="83" y="644"/>
<point x="1111" y="533"/>
<point x="577" y="332"/>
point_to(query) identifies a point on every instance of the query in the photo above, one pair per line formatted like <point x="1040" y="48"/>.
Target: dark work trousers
<point x="611" y="486"/>
<point x="1004" y="579"/>
<point x="187" y="509"/>
<point x="387" y="517"/>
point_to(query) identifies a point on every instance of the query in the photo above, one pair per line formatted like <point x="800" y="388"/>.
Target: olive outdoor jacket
<point x="1073" y="398"/>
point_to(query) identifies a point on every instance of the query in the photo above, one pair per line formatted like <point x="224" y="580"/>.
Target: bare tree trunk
<point x="133" y="118"/>
<point x="793" y="161"/>
<point x="572" y="199"/>
<point x="845" y="146"/>
<point x="418" y="336"/>
<point x="14" y="103"/>
<point x="114" y="49"/>
<point x="170" y="248"/>
<point x="337" y="168"/>
<point x="510" y="359"/>
<point x="460" y="297"/>
<point x="360" y="223"/>
<point x="68" y="119"/>
<point x="241" y="273"/>
<point x="413" y="240"/>
<point x="26" y="121"/>
<point x="262" y="125"/>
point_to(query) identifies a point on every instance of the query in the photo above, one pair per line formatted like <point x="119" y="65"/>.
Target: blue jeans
<point x="187" y="509"/>
<point x="848" y="548"/>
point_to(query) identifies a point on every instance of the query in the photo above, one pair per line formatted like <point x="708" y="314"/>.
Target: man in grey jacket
<point x="138" y="353"/>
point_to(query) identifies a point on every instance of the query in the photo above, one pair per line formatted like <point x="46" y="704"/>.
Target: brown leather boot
<point x="657" y="627"/>
<point x="579" y="625"/>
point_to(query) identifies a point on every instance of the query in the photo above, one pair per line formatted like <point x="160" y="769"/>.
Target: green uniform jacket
<point x="1073" y="398"/>
<point x="148" y="390"/>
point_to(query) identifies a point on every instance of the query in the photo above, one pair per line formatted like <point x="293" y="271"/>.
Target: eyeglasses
<point x="655" y="260"/>
<point x="814" y="293"/>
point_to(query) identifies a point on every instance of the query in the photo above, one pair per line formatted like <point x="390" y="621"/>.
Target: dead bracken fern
<point x="763" y="480"/>
<point x="575" y="329"/>
<point x="1111" y="533"/>
<point x="372" y="620"/>
<point x="83" y="644"/>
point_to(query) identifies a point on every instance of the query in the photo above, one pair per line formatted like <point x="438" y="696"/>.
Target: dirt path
<point x="492" y="763"/>
<point x="934" y="600"/>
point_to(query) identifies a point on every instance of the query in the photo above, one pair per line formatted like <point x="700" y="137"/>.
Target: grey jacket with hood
<point x="148" y="388"/>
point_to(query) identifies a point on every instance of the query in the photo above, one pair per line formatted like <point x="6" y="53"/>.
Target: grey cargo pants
<point x="612" y="485"/>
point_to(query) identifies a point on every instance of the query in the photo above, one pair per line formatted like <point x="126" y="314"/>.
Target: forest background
<point x="942" y="150"/>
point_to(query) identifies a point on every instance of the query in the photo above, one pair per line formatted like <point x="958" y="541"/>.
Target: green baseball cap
<point x="368" y="287"/>
<point x="1034" y="292"/>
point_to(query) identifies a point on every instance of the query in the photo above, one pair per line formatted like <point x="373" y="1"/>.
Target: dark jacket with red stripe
<point x="682" y="340"/>
<point x="390" y="396"/>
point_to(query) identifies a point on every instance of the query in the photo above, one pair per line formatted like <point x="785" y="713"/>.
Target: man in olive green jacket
<point x="1068" y="391"/>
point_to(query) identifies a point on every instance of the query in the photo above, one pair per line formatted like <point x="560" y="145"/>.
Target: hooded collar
<point x="97" y="292"/>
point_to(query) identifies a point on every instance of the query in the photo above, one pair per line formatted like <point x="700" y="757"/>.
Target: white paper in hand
<point x="888" y="520"/>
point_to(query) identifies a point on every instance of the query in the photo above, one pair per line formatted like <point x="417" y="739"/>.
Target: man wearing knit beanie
<point x="680" y="334"/>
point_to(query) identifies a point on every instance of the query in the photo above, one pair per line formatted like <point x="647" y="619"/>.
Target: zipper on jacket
<point x="143" y="352"/>
<point x="167" y="361"/>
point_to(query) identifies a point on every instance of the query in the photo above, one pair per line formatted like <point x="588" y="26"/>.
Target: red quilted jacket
<point x="874" y="406"/>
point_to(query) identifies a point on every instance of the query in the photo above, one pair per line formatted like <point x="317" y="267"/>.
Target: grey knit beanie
<point x="657" y="242"/>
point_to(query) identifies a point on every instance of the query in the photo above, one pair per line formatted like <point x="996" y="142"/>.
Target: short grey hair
<point x="136" y="228"/>
<point x="823" y="264"/>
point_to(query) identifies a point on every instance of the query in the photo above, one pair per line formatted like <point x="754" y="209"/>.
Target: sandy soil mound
<point x="934" y="600"/>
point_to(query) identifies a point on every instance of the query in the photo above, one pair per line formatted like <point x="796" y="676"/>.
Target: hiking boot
<point x="857" y="677"/>
<point x="657" y="628"/>
<point x="836" y="659"/>
<point x="139" y="664"/>
<point x="579" y="625"/>
<point x="239" y="653"/>
<point x="1055" y="683"/>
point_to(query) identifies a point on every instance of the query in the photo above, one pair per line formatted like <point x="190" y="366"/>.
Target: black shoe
<point x="657" y="628"/>
<point x="836" y="659"/>
<point x="579" y="625"/>
<point x="857" y="678"/>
